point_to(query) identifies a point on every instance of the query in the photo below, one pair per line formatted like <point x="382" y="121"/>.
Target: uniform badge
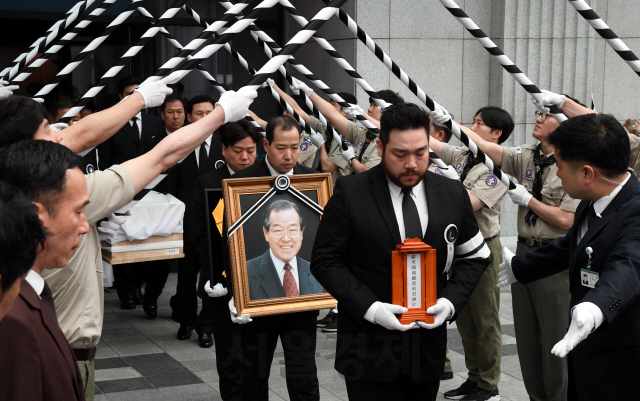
<point x="90" y="169"/>
<point x="347" y="142"/>
<point x="359" y="145"/>
<point x="528" y="175"/>
<point x="304" y="146"/>
<point x="361" y="127"/>
<point x="307" y="140"/>
<point x="437" y="171"/>
<point x="459" y="167"/>
<point x="491" y="181"/>
<point x="456" y="148"/>
<point x="518" y="149"/>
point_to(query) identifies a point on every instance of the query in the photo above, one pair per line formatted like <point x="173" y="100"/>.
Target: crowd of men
<point x="577" y="264"/>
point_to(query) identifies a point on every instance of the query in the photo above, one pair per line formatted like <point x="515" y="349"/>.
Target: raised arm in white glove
<point x="298" y="86"/>
<point x="234" y="314"/>
<point x="550" y="99"/>
<point x="270" y="82"/>
<point x="449" y="172"/>
<point x="109" y="227"/>
<point x="439" y="114"/>
<point x="236" y="104"/>
<point x="7" y="90"/>
<point x="217" y="291"/>
<point x="385" y="315"/>
<point x="317" y="139"/>
<point x="441" y="311"/>
<point x="520" y="195"/>
<point x="585" y="318"/>
<point x="154" y="93"/>
<point x="348" y="154"/>
<point x="353" y="111"/>
<point x="505" y="274"/>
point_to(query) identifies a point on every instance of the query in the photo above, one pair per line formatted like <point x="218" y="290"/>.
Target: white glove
<point x="520" y="195"/>
<point x="109" y="228"/>
<point x="353" y="111"/>
<point x="154" y="93"/>
<point x="298" y="86"/>
<point x="348" y="154"/>
<point x="217" y="291"/>
<point x="234" y="314"/>
<point x="236" y="104"/>
<point x="449" y="172"/>
<point x="7" y="90"/>
<point x="441" y="311"/>
<point x="505" y="274"/>
<point x="58" y="126"/>
<point x="585" y="318"/>
<point x="553" y="99"/>
<point x="317" y="139"/>
<point x="439" y="114"/>
<point x="386" y="317"/>
<point x="269" y="82"/>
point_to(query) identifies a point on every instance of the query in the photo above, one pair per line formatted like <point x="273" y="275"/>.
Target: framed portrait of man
<point x="271" y="224"/>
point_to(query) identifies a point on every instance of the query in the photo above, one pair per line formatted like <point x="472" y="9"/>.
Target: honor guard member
<point x="545" y="212"/>
<point x="479" y="321"/>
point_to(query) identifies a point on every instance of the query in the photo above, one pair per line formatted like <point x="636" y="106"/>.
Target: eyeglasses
<point x="291" y="233"/>
<point x="541" y="115"/>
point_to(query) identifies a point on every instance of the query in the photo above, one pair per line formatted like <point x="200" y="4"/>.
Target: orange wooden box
<point x="117" y="258"/>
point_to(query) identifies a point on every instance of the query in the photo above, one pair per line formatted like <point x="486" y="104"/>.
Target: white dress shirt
<point x="36" y="281"/>
<point x="230" y="170"/>
<point x="419" y="197"/>
<point x="273" y="171"/>
<point x="599" y="207"/>
<point x="281" y="270"/>
<point x="139" y="123"/>
<point x="207" y="146"/>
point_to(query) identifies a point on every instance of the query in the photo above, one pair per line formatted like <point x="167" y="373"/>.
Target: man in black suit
<point x="297" y="331"/>
<point x="603" y="341"/>
<point x="270" y="273"/>
<point x="239" y="148"/>
<point x="181" y="182"/>
<point x="367" y="216"/>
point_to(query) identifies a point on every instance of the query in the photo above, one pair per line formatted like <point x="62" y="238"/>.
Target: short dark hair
<point x="403" y="116"/>
<point x="127" y="81"/>
<point x="497" y="118"/>
<point x="388" y="96"/>
<point x="348" y="97"/>
<point x="285" y="123"/>
<point x="595" y="139"/>
<point x="279" y="205"/>
<point x="21" y="234"/>
<point x="20" y="118"/>
<point x="169" y="99"/>
<point x="58" y="105"/>
<point x="447" y="132"/>
<point x="199" y="99"/>
<point x="38" y="168"/>
<point x="231" y="133"/>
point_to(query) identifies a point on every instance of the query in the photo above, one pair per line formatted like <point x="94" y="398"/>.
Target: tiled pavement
<point x="141" y="359"/>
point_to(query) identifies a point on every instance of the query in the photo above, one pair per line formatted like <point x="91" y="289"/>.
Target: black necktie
<point x="592" y="215"/>
<point x="47" y="299"/>
<point x="202" y="157"/>
<point x="540" y="162"/>
<point x="472" y="161"/>
<point x="136" y="130"/>
<point x="412" y="227"/>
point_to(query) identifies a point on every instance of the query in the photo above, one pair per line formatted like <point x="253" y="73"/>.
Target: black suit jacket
<point x="352" y="259"/>
<point x="181" y="181"/>
<point x="615" y="241"/>
<point x="264" y="282"/>
<point x="126" y="145"/>
<point x="36" y="362"/>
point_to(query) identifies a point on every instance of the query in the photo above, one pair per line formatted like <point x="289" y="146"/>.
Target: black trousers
<point x="297" y="332"/>
<point x="185" y="303"/>
<point x="227" y="340"/>
<point x="401" y="389"/>
<point x="129" y="277"/>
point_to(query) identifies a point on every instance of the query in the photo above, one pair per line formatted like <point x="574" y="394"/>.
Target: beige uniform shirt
<point x="634" y="161"/>
<point x="77" y="288"/>
<point x="307" y="148"/>
<point x="518" y="162"/>
<point x="482" y="184"/>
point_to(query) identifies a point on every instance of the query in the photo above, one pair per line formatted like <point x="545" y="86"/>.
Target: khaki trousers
<point x="88" y="373"/>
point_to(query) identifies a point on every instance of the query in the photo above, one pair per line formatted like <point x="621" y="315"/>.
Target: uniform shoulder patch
<point x="518" y="149"/>
<point x="456" y="148"/>
<point x="491" y="181"/>
<point x="437" y="171"/>
<point x="359" y="145"/>
<point x="304" y="146"/>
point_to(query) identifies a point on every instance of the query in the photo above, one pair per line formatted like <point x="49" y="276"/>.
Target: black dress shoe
<point x="150" y="307"/>
<point x="127" y="303"/>
<point x="184" y="332"/>
<point x="138" y="296"/>
<point x="205" y="340"/>
<point x="446" y="376"/>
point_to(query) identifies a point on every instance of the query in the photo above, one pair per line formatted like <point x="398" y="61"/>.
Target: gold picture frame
<point x="245" y="206"/>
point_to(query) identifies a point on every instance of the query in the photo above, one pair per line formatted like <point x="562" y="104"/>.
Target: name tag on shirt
<point x="589" y="278"/>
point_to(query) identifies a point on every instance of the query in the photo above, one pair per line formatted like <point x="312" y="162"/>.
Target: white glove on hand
<point x="236" y="104"/>
<point x="439" y="114"/>
<point x="298" y="86"/>
<point x="317" y="139"/>
<point x="520" y="195"/>
<point x="505" y="274"/>
<point x="7" y="90"/>
<point x="58" y="126"/>
<point x="217" y="291"/>
<point x="234" y="314"/>
<point x="154" y="93"/>
<point x="269" y="82"/>
<point x="449" y="172"/>
<point x="386" y="317"/>
<point x="353" y="111"/>
<point x="585" y="318"/>
<point x="348" y="154"/>
<point x="109" y="228"/>
<point x="441" y="311"/>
